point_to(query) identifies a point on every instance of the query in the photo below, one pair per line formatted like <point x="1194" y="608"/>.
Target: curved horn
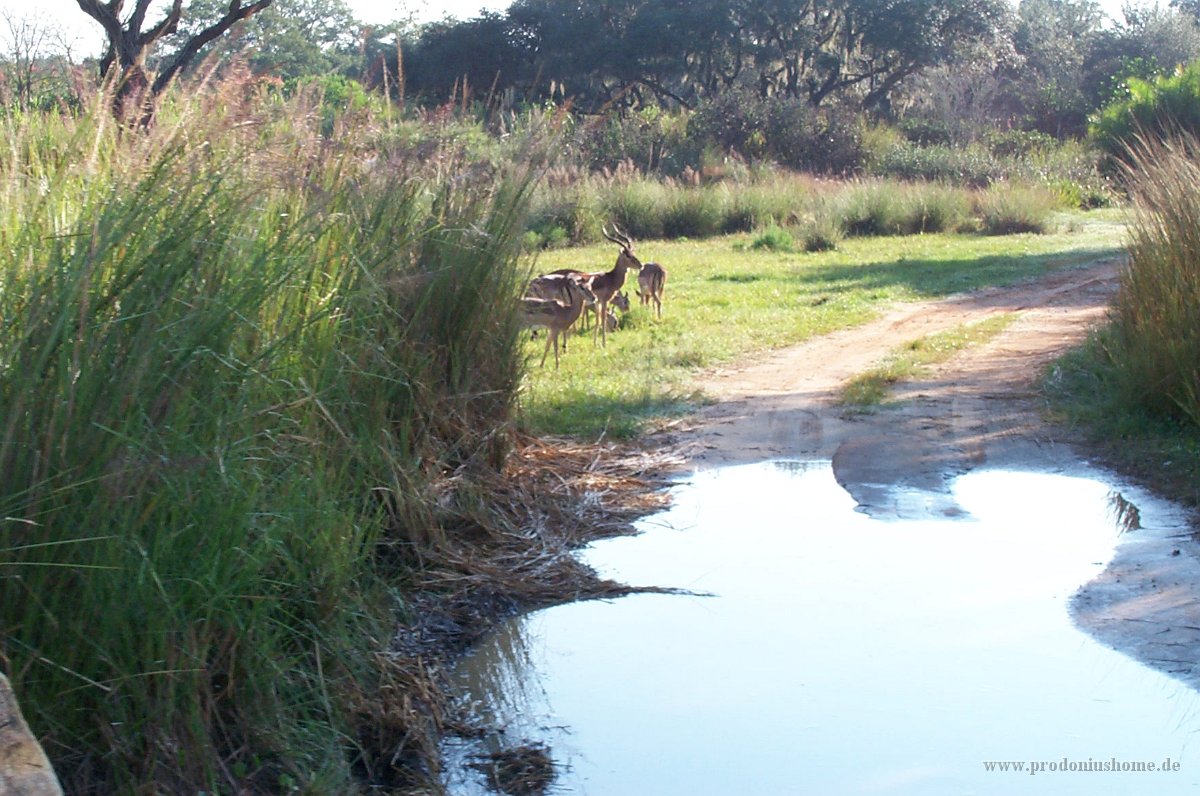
<point x="619" y="237"/>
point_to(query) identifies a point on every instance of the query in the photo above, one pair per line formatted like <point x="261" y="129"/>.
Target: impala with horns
<point x="606" y="285"/>
<point x="652" y="277"/>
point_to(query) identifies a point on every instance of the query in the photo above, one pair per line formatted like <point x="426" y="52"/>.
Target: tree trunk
<point x="135" y="91"/>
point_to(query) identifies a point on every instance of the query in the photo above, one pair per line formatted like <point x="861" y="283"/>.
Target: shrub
<point x="1154" y="109"/>
<point x="925" y="132"/>
<point x="788" y="131"/>
<point x="1006" y="209"/>
<point x="638" y="206"/>
<point x="872" y="208"/>
<point x="732" y="120"/>
<point x="820" y="232"/>
<point x="654" y="140"/>
<point x="934" y="207"/>
<point x="817" y="142"/>
<point x="774" y="238"/>
<point x="694" y="212"/>
<point x="971" y="166"/>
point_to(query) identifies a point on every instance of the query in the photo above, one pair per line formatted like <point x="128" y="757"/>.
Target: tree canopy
<point x="630" y="51"/>
<point x="130" y="42"/>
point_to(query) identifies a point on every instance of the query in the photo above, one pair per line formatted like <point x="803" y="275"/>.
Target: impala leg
<point x="545" y="351"/>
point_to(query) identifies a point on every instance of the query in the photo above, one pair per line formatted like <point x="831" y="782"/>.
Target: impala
<point x="555" y="286"/>
<point x="606" y="285"/>
<point x="554" y="315"/>
<point x="652" y="279"/>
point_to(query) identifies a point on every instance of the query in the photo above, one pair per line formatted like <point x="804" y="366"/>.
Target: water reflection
<point x="841" y="654"/>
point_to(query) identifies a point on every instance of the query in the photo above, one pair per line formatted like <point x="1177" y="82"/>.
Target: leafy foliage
<point x="1152" y="110"/>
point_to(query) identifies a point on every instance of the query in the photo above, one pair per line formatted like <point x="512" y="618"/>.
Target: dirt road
<point x="978" y="409"/>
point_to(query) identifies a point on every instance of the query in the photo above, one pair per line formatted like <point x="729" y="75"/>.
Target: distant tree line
<point x="1045" y="65"/>
<point x="948" y="70"/>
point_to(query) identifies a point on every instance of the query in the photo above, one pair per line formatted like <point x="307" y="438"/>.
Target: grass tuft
<point x="914" y="359"/>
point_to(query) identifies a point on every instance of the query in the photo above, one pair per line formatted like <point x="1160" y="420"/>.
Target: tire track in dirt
<point x="784" y="405"/>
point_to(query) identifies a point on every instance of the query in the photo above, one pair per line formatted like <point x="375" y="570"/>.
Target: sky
<point x="87" y="39"/>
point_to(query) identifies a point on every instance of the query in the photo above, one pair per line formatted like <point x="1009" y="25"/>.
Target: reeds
<point x="234" y="357"/>
<point x="821" y="211"/>
<point x="1154" y="343"/>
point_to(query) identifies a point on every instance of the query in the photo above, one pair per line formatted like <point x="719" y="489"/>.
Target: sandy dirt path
<point x="978" y="409"/>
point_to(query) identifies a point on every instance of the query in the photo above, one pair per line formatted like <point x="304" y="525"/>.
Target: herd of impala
<point x="556" y="300"/>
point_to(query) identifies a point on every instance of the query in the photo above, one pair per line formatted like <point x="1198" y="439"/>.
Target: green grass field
<point x="726" y="300"/>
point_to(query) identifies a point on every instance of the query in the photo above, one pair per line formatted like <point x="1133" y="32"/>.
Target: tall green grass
<point x="820" y="211"/>
<point x="235" y="355"/>
<point x="1135" y="387"/>
<point x="1155" y="339"/>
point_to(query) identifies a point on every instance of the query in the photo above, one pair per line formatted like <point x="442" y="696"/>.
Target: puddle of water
<point x="840" y="653"/>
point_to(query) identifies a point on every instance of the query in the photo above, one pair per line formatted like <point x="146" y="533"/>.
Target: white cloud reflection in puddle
<point x="841" y="654"/>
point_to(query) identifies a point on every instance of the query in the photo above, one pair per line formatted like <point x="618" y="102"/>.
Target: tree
<point x="1055" y="37"/>
<point x="129" y="45"/>
<point x="959" y="101"/>
<point x="627" y="52"/>
<point x="291" y="39"/>
<point x="26" y="41"/>
<point x="1150" y="43"/>
<point x="435" y="66"/>
<point x="618" y="50"/>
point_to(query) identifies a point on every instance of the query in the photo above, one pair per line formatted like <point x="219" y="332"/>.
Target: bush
<point x="817" y="142"/>
<point x="1155" y="109"/>
<point x="638" y="206"/>
<point x="734" y="120"/>
<point x="1006" y="209"/>
<point x="694" y="212"/>
<point x="652" y="139"/>
<point x="872" y="208"/>
<point x="934" y="207"/>
<point x="820" y="232"/>
<point x="972" y="166"/>
<point x="774" y="239"/>
<point x="788" y="131"/>
<point x="926" y="132"/>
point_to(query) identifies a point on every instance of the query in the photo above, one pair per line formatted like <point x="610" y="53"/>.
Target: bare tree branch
<point x="128" y="43"/>
<point x="236" y="13"/>
<point x="106" y="15"/>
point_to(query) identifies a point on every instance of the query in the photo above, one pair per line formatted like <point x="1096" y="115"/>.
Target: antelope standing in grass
<point x="554" y="315"/>
<point x="606" y="285"/>
<point x="619" y="300"/>
<point x="652" y="280"/>
<point x="555" y="286"/>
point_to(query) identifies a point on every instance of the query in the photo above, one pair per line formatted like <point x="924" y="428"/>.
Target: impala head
<point x="621" y="302"/>
<point x="581" y="292"/>
<point x="626" y="256"/>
